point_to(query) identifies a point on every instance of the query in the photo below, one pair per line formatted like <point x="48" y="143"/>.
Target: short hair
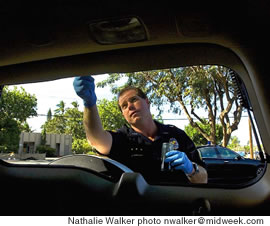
<point x="139" y="93"/>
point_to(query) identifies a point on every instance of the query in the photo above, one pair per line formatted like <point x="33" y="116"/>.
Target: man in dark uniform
<point x="138" y="145"/>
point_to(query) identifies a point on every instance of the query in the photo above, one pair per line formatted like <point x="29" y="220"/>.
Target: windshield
<point x="42" y="122"/>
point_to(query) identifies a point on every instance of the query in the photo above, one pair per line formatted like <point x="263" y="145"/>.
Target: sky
<point x="49" y="94"/>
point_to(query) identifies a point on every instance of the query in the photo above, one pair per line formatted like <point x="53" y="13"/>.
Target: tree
<point x="61" y="108"/>
<point x="43" y="137"/>
<point x="81" y="146"/>
<point x="59" y="118"/>
<point x="56" y="124"/>
<point x="234" y="143"/>
<point x="110" y="115"/>
<point x="24" y="127"/>
<point x="49" y="115"/>
<point x="193" y="88"/>
<point x="74" y="122"/>
<point x="15" y="107"/>
<point x="198" y="138"/>
<point x="70" y="121"/>
<point x="17" y="104"/>
<point x="67" y="121"/>
<point x="9" y="135"/>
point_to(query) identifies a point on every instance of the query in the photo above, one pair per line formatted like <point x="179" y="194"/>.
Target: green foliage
<point x="193" y="88"/>
<point x="49" y="115"/>
<point x="9" y="133"/>
<point x="17" y="104"/>
<point x="111" y="116"/>
<point x="81" y="146"/>
<point x="15" y="107"/>
<point x="50" y="152"/>
<point x="70" y="121"/>
<point x="55" y="125"/>
<point x="24" y="127"/>
<point x="247" y="147"/>
<point x="66" y="121"/>
<point x="9" y="148"/>
<point x="43" y="137"/>
<point x="61" y="108"/>
<point x="74" y="122"/>
<point x="3" y="148"/>
<point x="234" y="143"/>
<point x="198" y="138"/>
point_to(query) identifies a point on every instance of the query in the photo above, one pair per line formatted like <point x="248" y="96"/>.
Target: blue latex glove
<point x="84" y="86"/>
<point x="179" y="161"/>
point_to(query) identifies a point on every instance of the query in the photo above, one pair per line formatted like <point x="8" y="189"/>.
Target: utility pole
<point x="250" y="139"/>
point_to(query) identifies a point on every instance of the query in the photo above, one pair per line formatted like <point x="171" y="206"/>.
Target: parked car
<point x="49" y="40"/>
<point x="227" y="166"/>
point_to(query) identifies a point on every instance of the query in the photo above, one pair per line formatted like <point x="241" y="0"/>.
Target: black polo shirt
<point x="143" y="155"/>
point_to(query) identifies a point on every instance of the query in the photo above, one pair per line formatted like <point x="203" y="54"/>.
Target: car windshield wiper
<point x="244" y="101"/>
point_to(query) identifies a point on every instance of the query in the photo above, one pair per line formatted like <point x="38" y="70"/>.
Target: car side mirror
<point x="238" y="157"/>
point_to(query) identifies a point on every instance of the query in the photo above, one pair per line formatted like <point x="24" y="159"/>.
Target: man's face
<point x="133" y="107"/>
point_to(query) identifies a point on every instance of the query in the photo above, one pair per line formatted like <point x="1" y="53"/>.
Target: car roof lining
<point x="121" y="61"/>
<point x="48" y="30"/>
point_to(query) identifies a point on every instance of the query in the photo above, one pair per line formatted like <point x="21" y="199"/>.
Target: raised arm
<point x="97" y="137"/>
